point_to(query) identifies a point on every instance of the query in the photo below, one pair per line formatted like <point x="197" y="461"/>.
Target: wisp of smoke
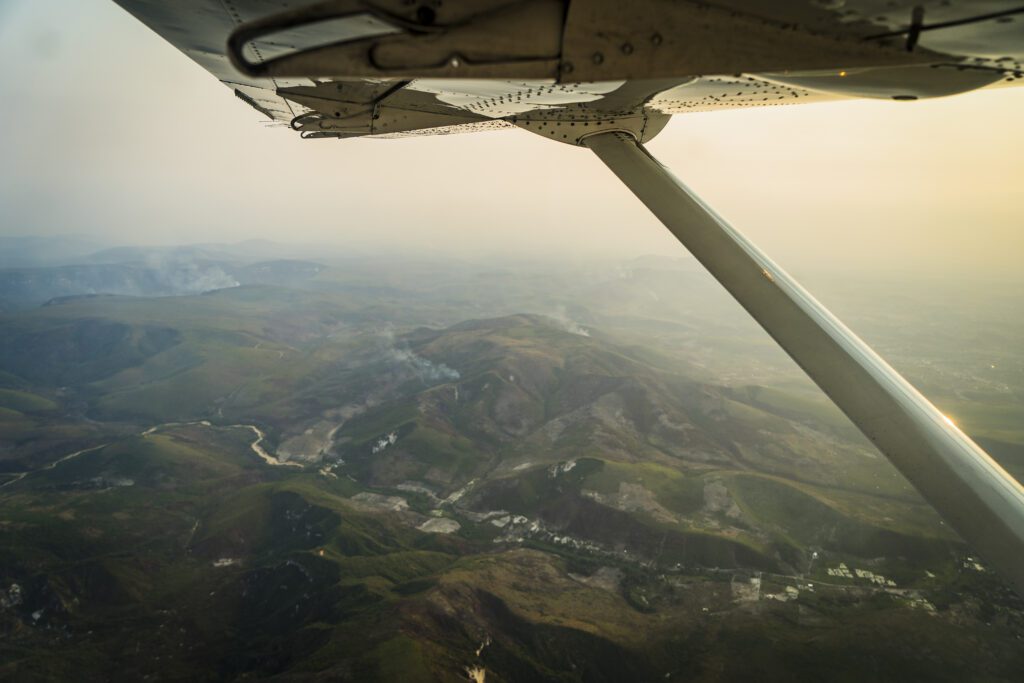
<point x="561" y="316"/>
<point x="426" y="370"/>
<point x="182" y="275"/>
<point x="423" y="368"/>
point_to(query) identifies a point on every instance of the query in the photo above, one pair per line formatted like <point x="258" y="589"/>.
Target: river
<point x="256" y="446"/>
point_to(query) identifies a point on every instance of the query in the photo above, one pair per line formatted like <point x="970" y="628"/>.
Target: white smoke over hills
<point x="28" y="287"/>
<point x="182" y="275"/>
<point x="405" y="361"/>
<point x="145" y="273"/>
<point x="426" y="370"/>
<point x="561" y="316"/>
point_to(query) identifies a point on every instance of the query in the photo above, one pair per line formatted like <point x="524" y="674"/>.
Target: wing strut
<point x="976" y="496"/>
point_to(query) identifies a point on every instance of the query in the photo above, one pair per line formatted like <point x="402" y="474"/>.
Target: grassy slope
<point x="139" y="557"/>
<point x="23" y="401"/>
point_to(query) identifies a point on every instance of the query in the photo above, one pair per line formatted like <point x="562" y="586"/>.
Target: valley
<point x="403" y="469"/>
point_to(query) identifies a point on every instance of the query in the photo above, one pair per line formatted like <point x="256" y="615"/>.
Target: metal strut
<point x="976" y="496"/>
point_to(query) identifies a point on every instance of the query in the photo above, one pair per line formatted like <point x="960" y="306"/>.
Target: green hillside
<point x="339" y="476"/>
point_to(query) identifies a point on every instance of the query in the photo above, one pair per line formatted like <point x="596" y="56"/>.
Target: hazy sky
<point x="109" y="130"/>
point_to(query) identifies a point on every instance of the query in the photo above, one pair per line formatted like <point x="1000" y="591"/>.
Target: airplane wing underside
<point x="348" y="68"/>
